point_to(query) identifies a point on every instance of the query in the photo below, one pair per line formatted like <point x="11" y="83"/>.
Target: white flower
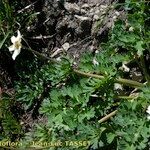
<point x="114" y="18"/>
<point x="58" y="59"/>
<point x="124" y="67"/>
<point x="97" y="51"/>
<point x="131" y="29"/>
<point x="148" y="117"/>
<point x="16" y="46"/>
<point x="148" y="110"/>
<point x="118" y="86"/>
<point x="95" y="62"/>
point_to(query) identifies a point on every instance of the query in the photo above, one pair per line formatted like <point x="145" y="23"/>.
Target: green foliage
<point x="5" y="13"/>
<point x="6" y="20"/>
<point x="135" y="41"/>
<point x="44" y="77"/>
<point x="135" y="127"/>
<point x="11" y="127"/>
<point x="71" y="104"/>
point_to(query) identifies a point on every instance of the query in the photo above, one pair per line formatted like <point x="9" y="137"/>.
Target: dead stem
<point x="107" y="116"/>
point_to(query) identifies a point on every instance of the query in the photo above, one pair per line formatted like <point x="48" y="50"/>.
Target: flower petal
<point x="148" y="108"/>
<point x="118" y="86"/>
<point x="16" y="53"/>
<point x="13" y="39"/>
<point x="11" y="48"/>
<point x="148" y="117"/>
<point x="95" y="62"/>
<point x="18" y="36"/>
<point x="125" y="68"/>
<point x="148" y="111"/>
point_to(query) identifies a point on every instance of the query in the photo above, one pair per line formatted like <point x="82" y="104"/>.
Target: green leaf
<point x="110" y="137"/>
<point x="94" y="143"/>
<point x="58" y="118"/>
<point x="139" y="47"/>
<point x="88" y="114"/>
<point x="128" y="38"/>
<point x="101" y="144"/>
<point x="3" y="41"/>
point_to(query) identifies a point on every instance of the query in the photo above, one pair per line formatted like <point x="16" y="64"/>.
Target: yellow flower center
<point x="17" y="44"/>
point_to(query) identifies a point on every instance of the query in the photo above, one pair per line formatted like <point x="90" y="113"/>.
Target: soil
<point x="73" y="22"/>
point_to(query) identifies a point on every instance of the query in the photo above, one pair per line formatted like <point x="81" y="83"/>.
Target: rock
<point x="83" y="11"/>
<point x="103" y="6"/>
<point x="82" y="18"/>
<point x="96" y="17"/>
<point x="72" y="7"/>
<point x="91" y="10"/>
<point x="94" y="2"/>
<point x="75" y="21"/>
<point x="97" y="11"/>
<point x="66" y="46"/>
<point x="117" y="13"/>
<point x="84" y="6"/>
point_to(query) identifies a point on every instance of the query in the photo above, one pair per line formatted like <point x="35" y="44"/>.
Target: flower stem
<point x="127" y="82"/>
<point x="41" y="55"/>
<point x="119" y="80"/>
